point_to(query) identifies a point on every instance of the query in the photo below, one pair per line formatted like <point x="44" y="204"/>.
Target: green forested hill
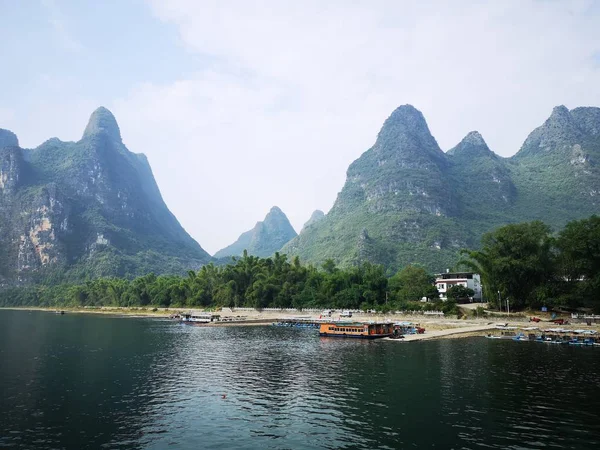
<point x="73" y="210"/>
<point x="406" y="201"/>
<point x="77" y="210"/>
<point x="556" y="171"/>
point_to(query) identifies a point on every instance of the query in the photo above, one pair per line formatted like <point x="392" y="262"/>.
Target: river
<point x="91" y="381"/>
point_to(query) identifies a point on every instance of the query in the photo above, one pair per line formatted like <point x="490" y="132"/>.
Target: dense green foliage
<point x="248" y="281"/>
<point x="530" y="267"/>
<point x="458" y="292"/>
<point x="413" y="283"/>
<point x="523" y="263"/>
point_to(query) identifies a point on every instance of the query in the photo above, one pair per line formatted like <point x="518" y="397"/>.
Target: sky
<point x="241" y="105"/>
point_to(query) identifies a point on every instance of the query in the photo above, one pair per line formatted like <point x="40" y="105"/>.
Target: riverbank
<point x="476" y="330"/>
<point x="436" y="327"/>
<point x="129" y="312"/>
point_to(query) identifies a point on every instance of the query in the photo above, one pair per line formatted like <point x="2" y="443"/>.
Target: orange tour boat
<point x="356" y="330"/>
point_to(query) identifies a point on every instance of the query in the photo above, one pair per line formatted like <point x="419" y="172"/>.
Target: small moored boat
<point x="194" y="318"/>
<point x="520" y="337"/>
<point x="493" y="336"/>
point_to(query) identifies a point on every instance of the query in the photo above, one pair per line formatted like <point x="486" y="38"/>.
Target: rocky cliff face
<point x="407" y="201"/>
<point x="89" y="208"/>
<point x="556" y="170"/>
<point x="266" y="238"/>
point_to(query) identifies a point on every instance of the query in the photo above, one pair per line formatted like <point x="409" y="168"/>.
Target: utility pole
<point x="499" y="302"/>
<point x="507" y="307"/>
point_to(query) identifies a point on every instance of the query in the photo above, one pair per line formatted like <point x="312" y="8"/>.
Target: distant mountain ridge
<point x="406" y="201"/>
<point x="77" y="210"/>
<point x="264" y="239"/>
<point x="72" y="210"/>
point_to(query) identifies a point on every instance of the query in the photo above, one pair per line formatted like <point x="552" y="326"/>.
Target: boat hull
<point x="355" y="336"/>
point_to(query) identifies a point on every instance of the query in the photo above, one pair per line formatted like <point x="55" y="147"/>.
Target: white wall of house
<point x="445" y="281"/>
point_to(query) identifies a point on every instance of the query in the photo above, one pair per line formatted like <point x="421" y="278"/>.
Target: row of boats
<point x="375" y="330"/>
<point x="550" y="336"/>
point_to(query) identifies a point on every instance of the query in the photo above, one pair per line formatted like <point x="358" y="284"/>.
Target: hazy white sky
<point x="242" y="105"/>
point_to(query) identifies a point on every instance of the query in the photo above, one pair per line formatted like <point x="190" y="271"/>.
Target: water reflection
<point x="92" y="381"/>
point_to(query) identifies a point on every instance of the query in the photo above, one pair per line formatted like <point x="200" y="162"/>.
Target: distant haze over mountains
<point x="264" y="239"/>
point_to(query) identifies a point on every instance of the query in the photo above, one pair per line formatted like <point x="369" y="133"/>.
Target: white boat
<point x="589" y="332"/>
<point x="193" y="318"/>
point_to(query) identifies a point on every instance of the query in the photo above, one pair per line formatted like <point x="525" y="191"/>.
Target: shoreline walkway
<point x="443" y="333"/>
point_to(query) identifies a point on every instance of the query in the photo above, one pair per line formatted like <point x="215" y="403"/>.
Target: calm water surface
<point x="85" y="381"/>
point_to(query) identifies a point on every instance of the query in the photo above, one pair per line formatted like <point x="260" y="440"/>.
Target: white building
<point x="445" y="281"/>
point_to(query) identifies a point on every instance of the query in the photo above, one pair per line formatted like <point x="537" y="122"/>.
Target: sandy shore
<point x="436" y="327"/>
<point x="474" y="330"/>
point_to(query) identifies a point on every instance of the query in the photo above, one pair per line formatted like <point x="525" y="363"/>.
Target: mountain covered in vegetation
<point x="264" y="239"/>
<point x="406" y="201"/>
<point x="77" y="210"/>
<point x="524" y="263"/>
<point x="314" y="218"/>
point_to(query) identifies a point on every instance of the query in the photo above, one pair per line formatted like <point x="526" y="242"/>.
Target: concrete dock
<point x="442" y="333"/>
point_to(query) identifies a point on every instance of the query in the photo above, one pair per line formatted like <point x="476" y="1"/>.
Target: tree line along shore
<point x="525" y="264"/>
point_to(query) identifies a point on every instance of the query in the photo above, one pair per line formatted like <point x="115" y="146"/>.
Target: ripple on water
<point x="154" y="384"/>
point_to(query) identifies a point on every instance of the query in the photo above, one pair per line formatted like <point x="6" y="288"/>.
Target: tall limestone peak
<point x="392" y="190"/>
<point x="277" y="220"/>
<point x="558" y="133"/>
<point x="8" y="138"/>
<point x="266" y="238"/>
<point x="407" y="116"/>
<point x="402" y="172"/>
<point x="474" y="138"/>
<point x="86" y="209"/>
<point x="481" y="178"/>
<point x="316" y="216"/>
<point x="560" y="115"/>
<point x="557" y="167"/>
<point x="103" y="121"/>
<point x="421" y="205"/>
<point x="472" y="145"/>
<point x="405" y="134"/>
<point x="274" y="212"/>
